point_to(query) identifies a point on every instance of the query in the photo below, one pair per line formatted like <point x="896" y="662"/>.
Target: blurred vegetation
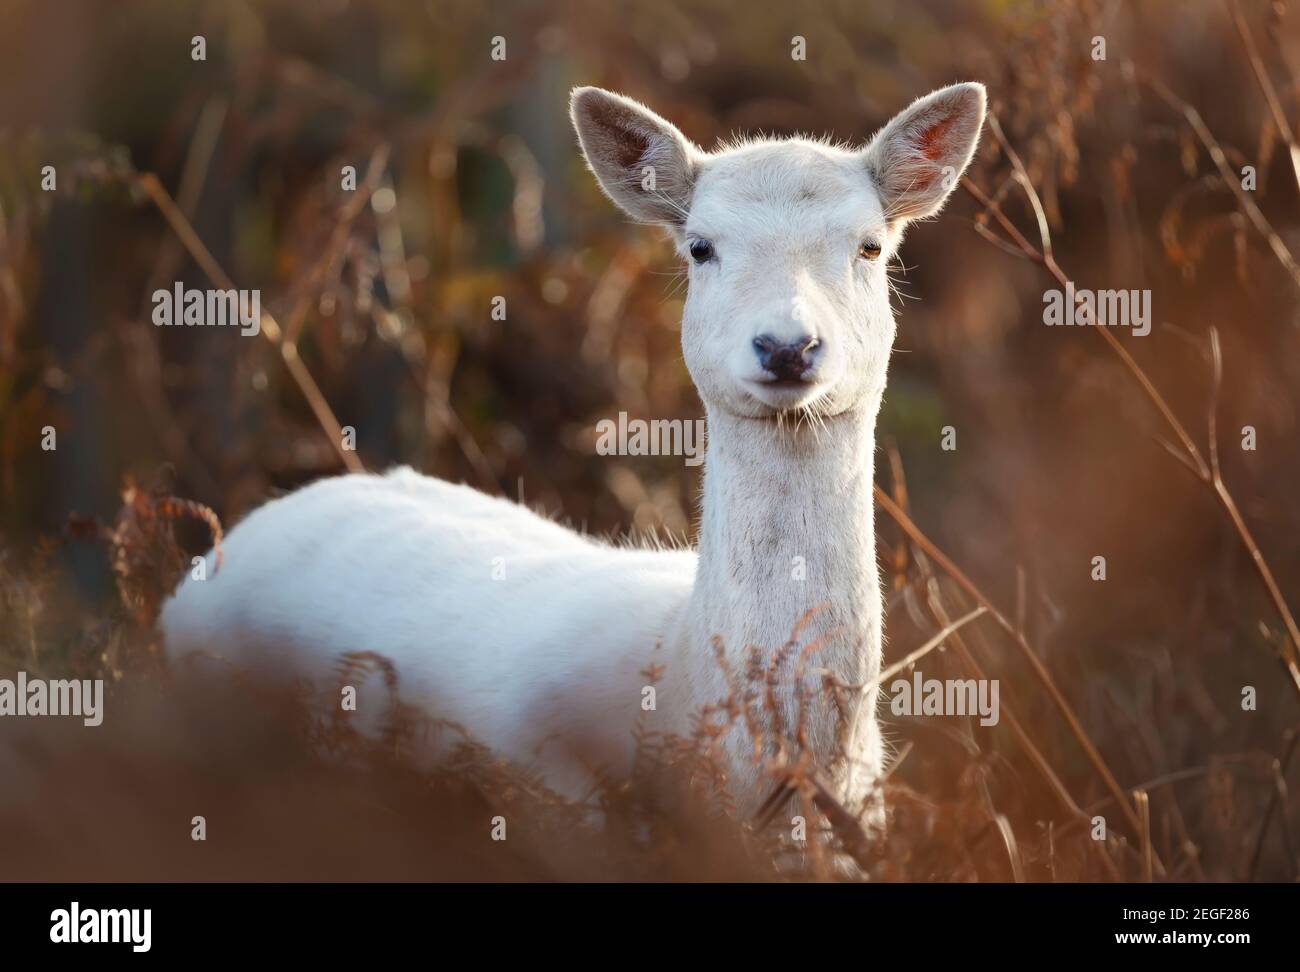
<point x="471" y="188"/>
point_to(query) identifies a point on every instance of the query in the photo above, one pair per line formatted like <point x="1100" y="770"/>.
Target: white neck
<point x="770" y="496"/>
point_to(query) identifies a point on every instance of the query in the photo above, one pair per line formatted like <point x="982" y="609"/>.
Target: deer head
<point x="786" y="241"/>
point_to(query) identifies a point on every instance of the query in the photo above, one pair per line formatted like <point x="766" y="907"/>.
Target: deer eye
<point x="868" y="250"/>
<point x="701" y="251"/>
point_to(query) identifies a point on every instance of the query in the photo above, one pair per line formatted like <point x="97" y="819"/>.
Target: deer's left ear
<point x="642" y="161"/>
<point x="917" y="158"/>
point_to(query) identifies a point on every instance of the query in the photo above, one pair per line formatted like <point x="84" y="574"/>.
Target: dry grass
<point x="290" y="790"/>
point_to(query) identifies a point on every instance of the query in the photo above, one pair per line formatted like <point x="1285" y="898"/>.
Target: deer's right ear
<point x="918" y="157"/>
<point x="642" y="161"/>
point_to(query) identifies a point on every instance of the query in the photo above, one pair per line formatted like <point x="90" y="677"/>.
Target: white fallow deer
<point x="535" y="638"/>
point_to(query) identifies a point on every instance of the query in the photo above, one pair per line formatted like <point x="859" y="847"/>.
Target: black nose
<point x="786" y="362"/>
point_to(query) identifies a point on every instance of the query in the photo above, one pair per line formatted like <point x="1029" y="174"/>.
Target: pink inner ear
<point x="632" y="146"/>
<point x="931" y="141"/>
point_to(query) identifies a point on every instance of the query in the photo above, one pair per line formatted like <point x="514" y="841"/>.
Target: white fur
<point x="544" y="664"/>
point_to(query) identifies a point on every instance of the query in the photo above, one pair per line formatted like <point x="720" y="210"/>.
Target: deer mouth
<point x="784" y="394"/>
<point x="786" y="404"/>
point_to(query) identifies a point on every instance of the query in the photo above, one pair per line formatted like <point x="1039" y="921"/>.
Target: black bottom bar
<point x="566" y="922"/>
